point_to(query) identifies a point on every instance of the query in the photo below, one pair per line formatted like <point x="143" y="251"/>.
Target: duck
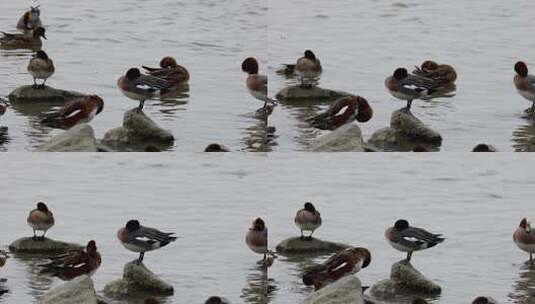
<point x="409" y="87"/>
<point x="484" y="300"/>
<point x="442" y="74"/>
<point x="170" y="71"/>
<point x="308" y="68"/>
<point x="341" y="112"/>
<point x="216" y="300"/>
<point x="23" y="41"/>
<point x="137" y="86"/>
<point x="525" y="83"/>
<point x="40" y="219"/>
<point x="137" y="238"/>
<point x="216" y="148"/>
<point x="347" y="261"/>
<point x="308" y="219"/>
<point x="40" y="67"/>
<point x="74" y="112"/>
<point x="408" y="239"/>
<point x="257" y="237"/>
<point x="3" y="257"/>
<point x="3" y="108"/>
<point x="524" y="238"/>
<point x="30" y="20"/>
<point x="484" y="148"/>
<point x="74" y="263"/>
<point x="257" y="84"/>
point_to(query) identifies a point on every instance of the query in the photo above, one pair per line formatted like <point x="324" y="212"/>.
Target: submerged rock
<point x="293" y="93"/>
<point x="347" y="290"/>
<point x="28" y="93"/>
<point x="46" y="246"/>
<point x="137" y="279"/>
<point x="347" y="138"/>
<point x="404" y="279"/>
<point x="80" y="138"/>
<point x="406" y="131"/>
<point x="80" y="291"/>
<point x="137" y="130"/>
<point x="295" y="245"/>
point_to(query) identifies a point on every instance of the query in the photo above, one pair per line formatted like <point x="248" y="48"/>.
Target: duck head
<point x="258" y="224"/>
<point x="521" y="69"/>
<point x="401" y="225"/>
<point x="168" y="62"/>
<point x="132" y="225"/>
<point x="215" y="148"/>
<point x="250" y="66"/>
<point x="42" y="207"/>
<point x="98" y="101"/>
<point x="133" y="73"/>
<point x="525" y="225"/>
<point x="365" y="255"/>
<point x="39" y="32"/>
<point x="91" y="247"/>
<point x="310" y="207"/>
<point x="429" y="65"/>
<point x="400" y="73"/>
<point x="310" y="55"/>
<point x="364" y="110"/>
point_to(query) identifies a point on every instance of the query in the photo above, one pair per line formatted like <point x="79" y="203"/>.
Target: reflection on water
<point x="36" y="282"/>
<point x="256" y="290"/>
<point x="524" y="287"/>
<point x="523" y="135"/>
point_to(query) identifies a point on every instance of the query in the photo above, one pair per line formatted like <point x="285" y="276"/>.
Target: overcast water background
<point x="210" y="200"/>
<point x="360" y="43"/>
<point x="93" y="43"/>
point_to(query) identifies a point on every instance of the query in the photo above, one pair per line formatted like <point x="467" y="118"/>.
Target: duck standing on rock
<point x="308" y="219"/>
<point x="170" y="71"/>
<point x="525" y="83"/>
<point x="308" y="68"/>
<point x="442" y="74"/>
<point x="347" y="261"/>
<point x="524" y="238"/>
<point x="40" y="219"/>
<point x="40" y="67"/>
<point x="74" y="263"/>
<point x="30" y="20"/>
<point x="74" y="112"/>
<point x="23" y="41"/>
<point x="137" y="238"/>
<point x="408" y="239"/>
<point x="341" y="112"/>
<point x="409" y="87"/>
<point x="257" y="238"/>
<point x="140" y="87"/>
<point x="257" y="85"/>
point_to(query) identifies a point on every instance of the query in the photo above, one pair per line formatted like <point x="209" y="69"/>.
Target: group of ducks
<point x="401" y="236"/>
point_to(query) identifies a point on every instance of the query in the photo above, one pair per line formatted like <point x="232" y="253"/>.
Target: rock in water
<point x="28" y="93"/>
<point x="404" y="279"/>
<point x="137" y="279"/>
<point x="297" y="93"/>
<point x="137" y="132"/>
<point x="347" y="290"/>
<point x="80" y="291"/>
<point x="347" y="138"/>
<point x="405" y="132"/>
<point x="80" y="138"/>
<point x="46" y="246"/>
<point x="295" y="245"/>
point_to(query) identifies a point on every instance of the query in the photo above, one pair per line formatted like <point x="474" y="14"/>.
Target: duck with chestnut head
<point x="23" y="41"/>
<point x="525" y="83"/>
<point x="257" y="238"/>
<point x="308" y="69"/>
<point x="344" y="110"/>
<point x="30" y="20"/>
<point x="524" y="238"/>
<point x="40" y="219"/>
<point x="74" y="263"/>
<point x="170" y="71"/>
<point x="442" y="74"/>
<point x="74" y="112"/>
<point x="257" y="84"/>
<point x="407" y="87"/>
<point x="308" y="219"/>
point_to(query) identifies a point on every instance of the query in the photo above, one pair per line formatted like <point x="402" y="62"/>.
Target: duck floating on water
<point x="74" y="263"/>
<point x="40" y="219"/>
<point x="137" y="238"/>
<point x="23" y="41"/>
<point x="216" y="300"/>
<point x="409" y="239"/>
<point x="342" y="111"/>
<point x="170" y="71"/>
<point x="74" y="112"/>
<point x="40" y="67"/>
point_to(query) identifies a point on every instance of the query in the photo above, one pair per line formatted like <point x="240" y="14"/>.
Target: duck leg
<point x="34" y="83"/>
<point x="302" y="235"/>
<point x="408" y="108"/>
<point x="140" y="259"/>
<point x="43" y="85"/>
<point x="34" y="235"/>
<point x="141" y="104"/>
<point x="42" y="238"/>
<point x="531" y="258"/>
<point x="533" y="107"/>
<point x="409" y="256"/>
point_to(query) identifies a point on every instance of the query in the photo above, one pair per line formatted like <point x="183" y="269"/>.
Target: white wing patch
<point x="411" y="239"/>
<point x="411" y="87"/>
<point x="342" y="110"/>
<point x="74" y="113"/>
<point x="143" y="86"/>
